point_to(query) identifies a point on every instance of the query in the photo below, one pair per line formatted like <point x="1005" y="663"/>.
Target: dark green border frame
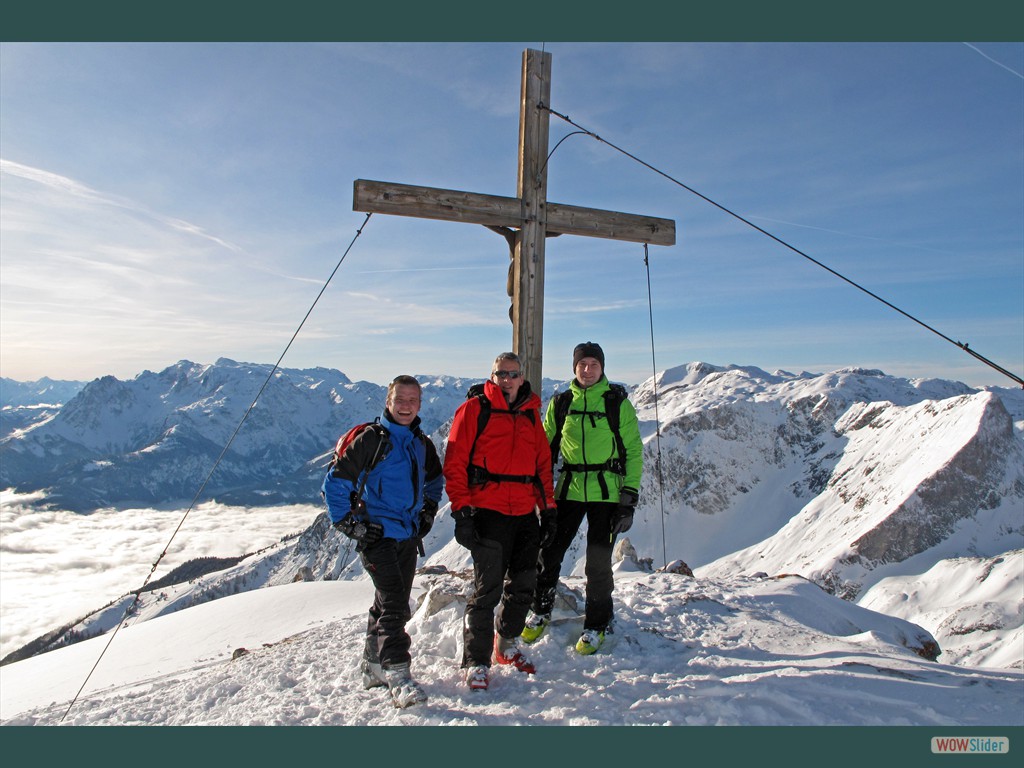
<point x="545" y="20"/>
<point x="550" y="21"/>
<point x="427" y="747"/>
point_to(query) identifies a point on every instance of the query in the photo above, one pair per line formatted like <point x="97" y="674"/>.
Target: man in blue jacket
<point x="383" y="492"/>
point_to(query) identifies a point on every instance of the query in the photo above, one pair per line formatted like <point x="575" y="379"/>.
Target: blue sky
<point x="165" y="201"/>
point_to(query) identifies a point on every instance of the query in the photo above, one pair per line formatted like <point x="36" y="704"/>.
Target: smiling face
<point x="588" y="371"/>
<point x="404" y="403"/>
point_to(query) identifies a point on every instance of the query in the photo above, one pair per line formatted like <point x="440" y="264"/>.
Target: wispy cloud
<point x="73" y="189"/>
<point x="67" y="197"/>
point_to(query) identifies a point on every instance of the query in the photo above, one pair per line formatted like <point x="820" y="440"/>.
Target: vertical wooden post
<point x="525" y="220"/>
<point x="532" y="189"/>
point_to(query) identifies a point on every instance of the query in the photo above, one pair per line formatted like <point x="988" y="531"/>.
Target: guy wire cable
<point x="657" y="418"/>
<point x="224" y="451"/>
<point x="962" y="345"/>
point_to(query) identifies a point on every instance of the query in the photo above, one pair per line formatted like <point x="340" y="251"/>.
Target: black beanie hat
<point x="587" y="349"/>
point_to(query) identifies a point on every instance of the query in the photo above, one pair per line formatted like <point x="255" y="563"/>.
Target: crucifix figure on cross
<point x="525" y="220"/>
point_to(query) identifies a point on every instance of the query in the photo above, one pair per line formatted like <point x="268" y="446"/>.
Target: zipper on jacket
<point x="583" y="443"/>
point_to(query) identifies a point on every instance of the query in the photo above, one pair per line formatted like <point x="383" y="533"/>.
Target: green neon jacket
<point x="588" y="440"/>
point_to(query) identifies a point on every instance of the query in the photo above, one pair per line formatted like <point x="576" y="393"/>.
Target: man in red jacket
<point x="497" y="469"/>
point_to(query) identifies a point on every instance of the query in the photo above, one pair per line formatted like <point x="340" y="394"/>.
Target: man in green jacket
<point x="600" y="475"/>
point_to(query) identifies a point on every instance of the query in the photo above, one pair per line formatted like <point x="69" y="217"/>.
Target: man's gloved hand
<point x="363" y="532"/>
<point x="465" y="528"/>
<point x="426" y="521"/>
<point x="628" y="497"/>
<point x="346" y="526"/>
<point x="622" y="519"/>
<point x="548" y="526"/>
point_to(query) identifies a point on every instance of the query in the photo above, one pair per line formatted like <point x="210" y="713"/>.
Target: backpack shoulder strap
<point x="562" y="402"/>
<point x="477" y="391"/>
<point x="613" y="398"/>
<point x="381" y="446"/>
<point x="383" y="442"/>
<point x="357" y="461"/>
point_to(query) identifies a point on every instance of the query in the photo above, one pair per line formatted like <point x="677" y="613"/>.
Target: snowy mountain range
<point x="905" y="497"/>
<point x="45" y="391"/>
<point x="154" y="439"/>
<point x="25" y="403"/>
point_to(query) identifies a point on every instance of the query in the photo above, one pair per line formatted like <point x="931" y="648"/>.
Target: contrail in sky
<point x="1018" y="74"/>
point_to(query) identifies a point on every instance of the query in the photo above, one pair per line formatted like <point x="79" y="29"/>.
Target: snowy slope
<point x="975" y="604"/>
<point x="740" y="651"/>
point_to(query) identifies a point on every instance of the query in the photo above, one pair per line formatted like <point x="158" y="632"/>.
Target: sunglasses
<point x="507" y="374"/>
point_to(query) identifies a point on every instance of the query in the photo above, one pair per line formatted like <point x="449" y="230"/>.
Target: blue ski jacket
<point x="408" y="475"/>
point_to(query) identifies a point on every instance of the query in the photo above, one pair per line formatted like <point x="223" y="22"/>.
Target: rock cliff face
<point x="907" y="479"/>
<point x="968" y="482"/>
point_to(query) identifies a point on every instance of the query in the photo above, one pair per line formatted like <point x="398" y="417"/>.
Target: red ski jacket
<point x="507" y="467"/>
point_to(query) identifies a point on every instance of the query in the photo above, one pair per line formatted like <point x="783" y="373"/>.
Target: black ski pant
<point x="599" y="560"/>
<point x="391" y="565"/>
<point x="504" y="575"/>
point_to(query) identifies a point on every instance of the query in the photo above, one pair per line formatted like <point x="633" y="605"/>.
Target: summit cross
<point x="525" y="220"/>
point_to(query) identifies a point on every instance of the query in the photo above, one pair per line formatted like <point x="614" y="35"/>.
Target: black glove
<point x="426" y="521"/>
<point x="548" y="526"/>
<point x="465" y="528"/>
<point x="622" y="519"/>
<point x="363" y="532"/>
<point x="628" y="497"/>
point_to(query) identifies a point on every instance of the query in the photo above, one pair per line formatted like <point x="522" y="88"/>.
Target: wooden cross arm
<point x="496" y="211"/>
<point x="613" y="225"/>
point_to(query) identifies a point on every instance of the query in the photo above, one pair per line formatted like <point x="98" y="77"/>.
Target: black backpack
<point x="613" y="398"/>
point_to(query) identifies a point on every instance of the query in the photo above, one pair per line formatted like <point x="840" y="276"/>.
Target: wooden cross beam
<point x="527" y="219"/>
